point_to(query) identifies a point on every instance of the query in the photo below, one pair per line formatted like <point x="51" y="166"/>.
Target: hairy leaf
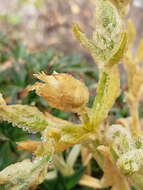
<point x="107" y="92"/>
<point x="119" y="138"/>
<point x="24" y="175"/>
<point x="118" y="55"/>
<point x="107" y="34"/>
<point x="23" y="116"/>
<point x="131" y="161"/>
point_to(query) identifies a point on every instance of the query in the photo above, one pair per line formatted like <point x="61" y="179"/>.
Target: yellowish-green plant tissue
<point x="117" y="148"/>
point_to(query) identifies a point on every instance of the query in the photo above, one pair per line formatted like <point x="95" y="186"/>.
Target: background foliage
<point x="18" y="63"/>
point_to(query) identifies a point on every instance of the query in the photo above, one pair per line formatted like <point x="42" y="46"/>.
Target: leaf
<point x="13" y="134"/>
<point x="112" y="176"/>
<point x="62" y="137"/>
<point x="8" y="151"/>
<point x="73" y="134"/>
<point x="107" y="35"/>
<point x="18" y="74"/>
<point x="24" y="175"/>
<point x="62" y="182"/>
<point x="23" y="116"/>
<point x="122" y="6"/>
<point x="84" y="40"/>
<point x="119" y="138"/>
<point x="121" y="2"/>
<point x="90" y="182"/>
<point x="118" y="55"/>
<point x="107" y="92"/>
<point x="136" y="181"/>
<point x="73" y="155"/>
<point x="131" y="162"/>
<point x="55" y="121"/>
<point x="73" y="180"/>
<point x="7" y="156"/>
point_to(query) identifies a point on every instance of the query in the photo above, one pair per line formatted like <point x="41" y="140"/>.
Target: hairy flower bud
<point x="62" y="91"/>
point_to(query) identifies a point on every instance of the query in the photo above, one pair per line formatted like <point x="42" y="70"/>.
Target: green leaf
<point x="62" y="182"/>
<point x="107" y="34"/>
<point x="23" y="116"/>
<point x="24" y="175"/>
<point x="118" y="55"/>
<point x="13" y="134"/>
<point x="107" y="92"/>
<point x="8" y="150"/>
<point x="72" y="181"/>
<point x="6" y="157"/>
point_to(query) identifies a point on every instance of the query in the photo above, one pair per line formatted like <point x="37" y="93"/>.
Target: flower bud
<point x="62" y="91"/>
